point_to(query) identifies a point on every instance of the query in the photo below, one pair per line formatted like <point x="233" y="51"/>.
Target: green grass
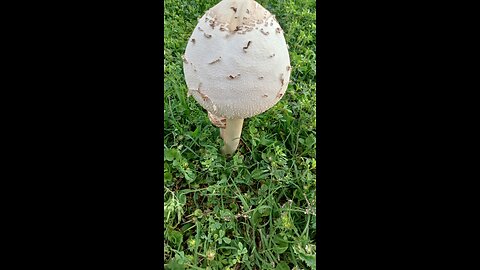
<point x="255" y="210"/>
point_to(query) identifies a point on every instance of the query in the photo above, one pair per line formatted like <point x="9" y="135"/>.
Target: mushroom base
<point x="231" y="135"/>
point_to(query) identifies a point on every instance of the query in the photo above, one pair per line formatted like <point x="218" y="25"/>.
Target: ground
<point x="255" y="210"/>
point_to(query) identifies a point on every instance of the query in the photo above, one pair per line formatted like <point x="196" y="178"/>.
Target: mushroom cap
<point x="236" y="63"/>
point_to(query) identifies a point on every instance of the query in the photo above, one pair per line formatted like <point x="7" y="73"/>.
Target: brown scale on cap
<point x="272" y="55"/>
<point x="204" y="97"/>
<point x="246" y="47"/>
<point x="193" y="40"/>
<point x="231" y="77"/>
<point x="215" y="61"/>
<point x="260" y="78"/>
<point x="217" y="120"/>
<point x="200" y="29"/>
<point x="212" y="24"/>
<point x="289" y="68"/>
<point x="263" y="32"/>
<point x="265" y="96"/>
<point x="278" y="30"/>
<point x="184" y="59"/>
<point x="234" y="9"/>
<point x="207" y="35"/>
<point x="194" y="69"/>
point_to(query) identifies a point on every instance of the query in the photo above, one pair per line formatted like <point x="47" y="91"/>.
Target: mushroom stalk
<point x="231" y="135"/>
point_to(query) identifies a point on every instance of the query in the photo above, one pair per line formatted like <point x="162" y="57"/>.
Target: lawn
<point x="255" y="210"/>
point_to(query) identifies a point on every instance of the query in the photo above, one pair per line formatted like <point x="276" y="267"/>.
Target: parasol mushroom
<point x="236" y="65"/>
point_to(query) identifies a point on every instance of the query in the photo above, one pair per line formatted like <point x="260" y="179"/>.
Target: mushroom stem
<point x="231" y="135"/>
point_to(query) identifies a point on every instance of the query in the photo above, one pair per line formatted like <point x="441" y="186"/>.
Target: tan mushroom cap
<point x="236" y="63"/>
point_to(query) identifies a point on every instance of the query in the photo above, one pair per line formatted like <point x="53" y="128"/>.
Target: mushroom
<point x="235" y="67"/>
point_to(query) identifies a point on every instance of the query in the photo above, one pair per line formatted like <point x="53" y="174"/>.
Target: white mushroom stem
<point x="231" y="135"/>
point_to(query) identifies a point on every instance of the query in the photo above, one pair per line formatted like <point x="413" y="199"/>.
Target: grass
<point x="255" y="210"/>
